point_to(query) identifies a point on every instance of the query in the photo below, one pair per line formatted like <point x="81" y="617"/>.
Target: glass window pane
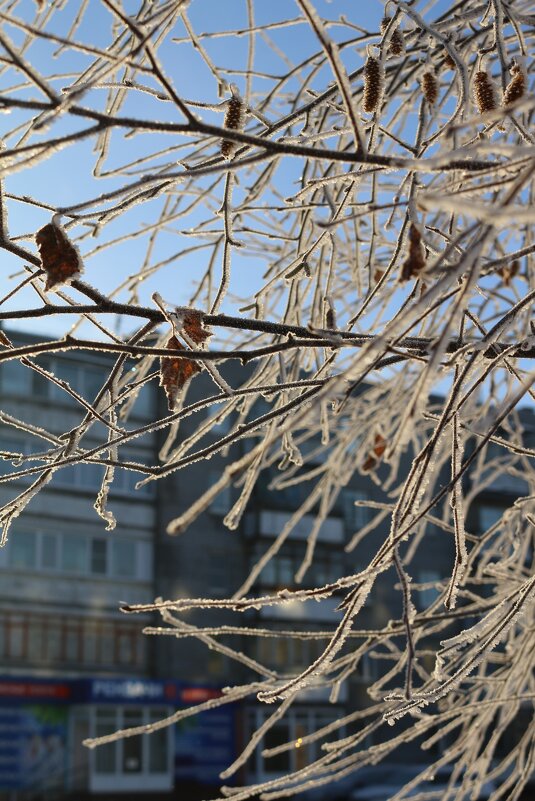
<point x="22" y="549"/>
<point x="53" y="640"/>
<point x="99" y="553"/>
<point x="17" y="637"/>
<point x="36" y="640"/>
<point x="158" y="743"/>
<point x="93" y="380"/>
<point x="41" y="386"/>
<point x="106" y="755"/>
<point x="356" y="517"/>
<point x="74" y="554"/>
<point x="144" y="403"/>
<point x="72" y="643"/>
<point x="49" y="551"/>
<point x="106" y="645"/>
<point x="90" y="642"/>
<point x="132" y="746"/>
<point x="90" y="476"/>
<point x="126" y="647"/>
<point x="124" y="558"/>
<point x="489" y="515"/>
<point x="10" y="445"/>
<point x="285" y="569"/>
<point x="69" y="373"/>
<point x="268" y="573"/>
<point x="277" y="735"/>
<point x="67" y="475"/>
<point x="429" y="595"/>
<point x="15" y="378"/>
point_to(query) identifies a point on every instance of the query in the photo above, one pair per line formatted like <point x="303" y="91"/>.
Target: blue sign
<point x="33" y="748"/>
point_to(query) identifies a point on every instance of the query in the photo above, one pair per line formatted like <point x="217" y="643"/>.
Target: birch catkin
<point x="516" y="88"/>
<point x="415" y="261"/>
<point x="484" y="92"/>
<point x="373" y="84"/>
<point x="234" y="121"/>
<point x="397" y="42"/>
<point x="430" y="87"/>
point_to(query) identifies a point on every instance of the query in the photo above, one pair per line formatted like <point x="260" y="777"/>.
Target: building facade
<point x="74" y="666"/>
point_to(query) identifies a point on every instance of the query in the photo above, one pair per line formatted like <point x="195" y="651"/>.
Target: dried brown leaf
<point x="60" y="259"/>
<point x="176" y="372"/>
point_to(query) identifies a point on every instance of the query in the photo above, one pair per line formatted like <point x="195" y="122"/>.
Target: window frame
<point x="119" y="780"/>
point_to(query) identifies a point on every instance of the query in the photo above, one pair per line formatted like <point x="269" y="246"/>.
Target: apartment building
<point x="74" y="666"/>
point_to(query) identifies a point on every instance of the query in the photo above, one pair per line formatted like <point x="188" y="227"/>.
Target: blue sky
<point x="66" y="178"/>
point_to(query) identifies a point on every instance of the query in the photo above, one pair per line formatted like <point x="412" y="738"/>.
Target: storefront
<point x="43" y="724"/>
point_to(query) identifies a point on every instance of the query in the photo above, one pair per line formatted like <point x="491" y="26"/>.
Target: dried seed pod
<point x="508" y="271"/>
<point x="377" y="275"/>
<point x="60" y="259"/>
<point x="415" y="261"/>
<point x="430" y="87"/>
<point x="234" y="120"/>
<point x="397" y="42"/>
<point x="516" y="88"/>
<point x="448" y="63"/>
<point x="484" y="92"/>
<point x="374" y="77"/>
<point x="330" y="315"/>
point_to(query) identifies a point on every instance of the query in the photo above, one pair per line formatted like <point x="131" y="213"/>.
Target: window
<point x="67" y="372"/>
<point x="488" y="516"/>
<point x="106" y="644"/>
<point x="296" y="725"/>
<point x="49" y="551"/>
<point x="223" y="500"/>
<point x="52" y="641"/>
<point x="429" y="595"/>
<point x="356" y="517"/>
<point x="134" y="763"/>
<point x="123" y="558"/>
<point x="22" y="550"/>
<point x="82" y="476"/>
<point x="79" y="553"/>
<point x="327" y="565"/>
<point x="74" y="554"/>
<point x="15" y="378"/>
<point x="106" y="755"/>
<point x="43" y="640"/>
<point x="132" y="746"/>
<point x="36" y="640"/>
<point x="10" y="445"/>
<point x="73" y="642"/>
<point x="288" y="654"/>
<point x="93" y="382"/>
<point x="126" y="647"/>
<point x="99" y="553"/>
<point x="17" y="636"/>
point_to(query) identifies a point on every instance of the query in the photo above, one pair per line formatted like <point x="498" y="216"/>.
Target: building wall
<point x="64" y="577"/>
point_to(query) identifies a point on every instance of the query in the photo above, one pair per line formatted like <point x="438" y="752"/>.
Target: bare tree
<point x="354" y="204"/>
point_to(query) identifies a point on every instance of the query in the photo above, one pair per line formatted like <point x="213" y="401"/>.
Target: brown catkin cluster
<point x="448" y="63"/>
<point x="516" y="87"/>
<point x="373" y="84"/>
<point x="430" y="87"/>
<point x="508" y="272"/>
<point x="397" y="42"/>
<point x="234" y="119"/>
<point x="484" y="93"/>
<point x="415" y="261"/>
